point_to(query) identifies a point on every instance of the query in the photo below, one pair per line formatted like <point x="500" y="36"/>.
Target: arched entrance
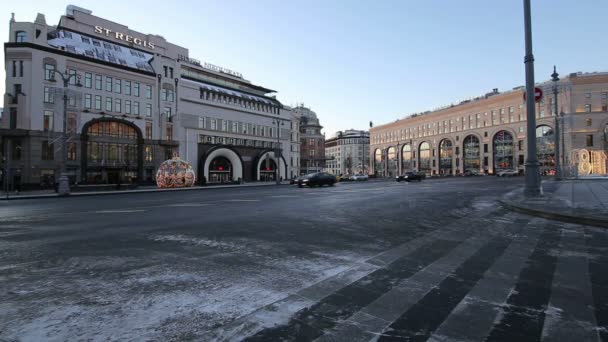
<point x="220" y="170"/>
<point x="545" y="149"/>
<point x="446" y="151"/>
<point x="112" y="151"/>
<point x="228" y="168"/>
<point x="406" y="158"/>
<point x="378" y="165"/>
<point x="266" y="167"/>
<point x="471" y="153"/>
<point x="393" y="163"/>
<point x="424" y="158"/>
<point x="503" y="151"/>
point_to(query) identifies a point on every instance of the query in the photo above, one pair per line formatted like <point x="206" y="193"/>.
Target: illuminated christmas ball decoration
<point x="175" y="173"/>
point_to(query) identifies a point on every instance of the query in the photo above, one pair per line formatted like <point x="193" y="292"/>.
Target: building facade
<point x="488" y="133"/>
<point x="312" y="141"/>
<point x="134" y="100"/>
<point x="347" y="153"/>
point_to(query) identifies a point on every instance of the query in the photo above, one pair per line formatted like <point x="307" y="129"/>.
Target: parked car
<point x="318" y="178"/>
<point x="507" y="173"/>
<point x="469" y="173"/>
<point x="343" y="178"/>
<point x="411" y="176"/>
<point x="359" y="177"/>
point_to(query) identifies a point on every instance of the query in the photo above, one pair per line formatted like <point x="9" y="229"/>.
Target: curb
<point x="586" y="220"/>
<point x="125" y="192"/>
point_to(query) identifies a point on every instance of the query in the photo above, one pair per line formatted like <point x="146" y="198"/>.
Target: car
<point x="343" y="178"/>
<point x="507" y="173"/>
<point x="410" y="176"/>
<point x="359" y="177"/>
<point x="316" y="179"/>
<point x="469" y="173"/>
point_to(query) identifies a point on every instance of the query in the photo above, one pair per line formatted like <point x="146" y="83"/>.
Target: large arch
<point x="471" y="153"/>
<point x="503" y="147"/>
<point x="232" y="156"/>
<point x="545" y="149"/>
<point x="393" y="161"/>
<point x="271" y="155"/>
<point x="424" y="158"/>
<point x="111" y="151"/>
<point x="378" y="165"/>
<point x="406" y="158"/>
<point x="446" y="153"/>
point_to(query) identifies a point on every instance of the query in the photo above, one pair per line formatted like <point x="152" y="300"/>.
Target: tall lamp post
<point x="64" y="183"/>
<point x="532" y="185"/>
<point x="278" y="150"/>
<point x="558" y="169"/>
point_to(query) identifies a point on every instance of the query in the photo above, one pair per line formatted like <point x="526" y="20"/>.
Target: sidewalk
<point x="141" y="189"/>
<point x="583" y="201"/>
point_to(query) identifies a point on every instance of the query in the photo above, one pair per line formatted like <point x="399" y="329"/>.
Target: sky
<point x="355" y="61"/>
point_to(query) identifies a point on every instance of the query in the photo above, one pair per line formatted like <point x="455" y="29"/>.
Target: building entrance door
<point x="113" y="176"/>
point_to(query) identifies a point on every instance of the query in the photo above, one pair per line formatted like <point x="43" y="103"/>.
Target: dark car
<point x="411" y="176"/>
<point x="314" y="179"/>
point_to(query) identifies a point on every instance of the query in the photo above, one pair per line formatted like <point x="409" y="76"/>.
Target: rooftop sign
<point x="125" y="37"/>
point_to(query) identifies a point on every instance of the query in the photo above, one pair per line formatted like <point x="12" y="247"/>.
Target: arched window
<point x="392" y="161"/>
<point x="446" y="152"/>
<point x="503" y="151"/>
<point x="21" y="36"/>
<point x="545" y="149"/>
<point x="424" y="158"/>
<point x="378" y="165"/>
<point x="471" y="153"/>
<point x="406" y="157"/>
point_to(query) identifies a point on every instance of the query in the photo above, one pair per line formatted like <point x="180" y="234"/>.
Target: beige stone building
<point x="488" y="133"/>
<point x="134" y="100"/>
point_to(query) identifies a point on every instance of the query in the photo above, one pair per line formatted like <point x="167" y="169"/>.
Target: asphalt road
<point x="437" y="260"/>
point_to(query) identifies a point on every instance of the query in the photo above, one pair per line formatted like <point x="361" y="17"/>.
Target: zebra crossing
<point x="486" y="276"/>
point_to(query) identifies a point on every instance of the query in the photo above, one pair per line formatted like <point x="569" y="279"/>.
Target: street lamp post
<point x="558" y="169"/>
<point x="278" y="150"/>
<point x="64" y="183"/>
<point x="532" y="185"/>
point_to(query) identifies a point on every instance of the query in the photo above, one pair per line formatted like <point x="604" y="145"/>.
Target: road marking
<point x="285" y="196"/>
<point x="117" y="211"/>
<point x="189" y="204"/>
<point x="242" y="200"/>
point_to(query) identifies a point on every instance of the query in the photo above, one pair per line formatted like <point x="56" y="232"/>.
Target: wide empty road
<point x="438" y="260"/>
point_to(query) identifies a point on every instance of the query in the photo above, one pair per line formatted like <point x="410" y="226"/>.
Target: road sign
<point x="538" y="94"/>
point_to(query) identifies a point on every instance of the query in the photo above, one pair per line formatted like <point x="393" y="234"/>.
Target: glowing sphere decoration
<point x="175" y="173"/>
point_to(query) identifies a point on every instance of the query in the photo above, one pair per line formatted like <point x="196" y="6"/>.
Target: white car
<point x="508" y="173"/>
<point x="359" y="177"/>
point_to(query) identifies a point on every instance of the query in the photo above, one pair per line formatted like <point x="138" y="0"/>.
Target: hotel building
<point x="134" y="101"/>
<point x="347" y="153"/>
<point x="488" y="133"/>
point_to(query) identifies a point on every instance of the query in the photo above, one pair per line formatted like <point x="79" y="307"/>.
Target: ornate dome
<point x="175" y="173"/>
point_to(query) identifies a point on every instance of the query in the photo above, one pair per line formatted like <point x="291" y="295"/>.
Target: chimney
<point x="495" y="90"/>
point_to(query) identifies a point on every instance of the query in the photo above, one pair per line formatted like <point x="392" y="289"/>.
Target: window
<point x="87" y="101"/>
<point x="73" y="78"/>
<point x="108" y="104"/>
<point x="224" y="125"/>
<point x="521" y="129"/>
<point x="165" y="69"/>
<point x="587" y="95"/>
<point x="72" y="101"/>
<point x="117" y="105"/>
<point x="21" y="36"/>
<point x="520" y="145"/>
<point x="117" y="88"/>
<point x="169" y="132"/>
<point x="135" y="107"/>
<point x="235" y="127"/>
<point x="589" y="140"/>
<point x="14" y="68"/>
<point x="148" y="130"/>
<point x="163" y="94"/>
<point x="20" y="68"/>
<point x="72" y="151"/>
<point x="148" y="110"/>
<point x="127" y="106"/>
<point x="47" y="124"/>
<point x="127" y="87"/>
<point x="88" y="80"/>
<point x="170" y="95"/>
<point x="588" y="108"/>
<point x="148" y="91"/>
<point x="136" y="89"/>
<point x="48" y="95"/>
<point x="98" y="82"/>
<point x="171" y="72"/>
<point x="485" y="148"/>
<point x="109" y="83"/>
<point x="49" y="72"/>
<point x="47" y="151"/>
<point x="97" y="102"/>
<point x="148" y="153"/>
<point x="589" y="122"/>
<point x="167" y="112"/>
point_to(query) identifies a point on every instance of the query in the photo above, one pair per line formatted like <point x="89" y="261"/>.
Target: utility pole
<point x="532" y="181"/>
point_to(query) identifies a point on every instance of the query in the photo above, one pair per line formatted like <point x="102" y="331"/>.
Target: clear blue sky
<point x="356" y="61"/>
